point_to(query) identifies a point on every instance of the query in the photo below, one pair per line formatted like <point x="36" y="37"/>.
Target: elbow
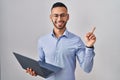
<point x="87" y="68"/>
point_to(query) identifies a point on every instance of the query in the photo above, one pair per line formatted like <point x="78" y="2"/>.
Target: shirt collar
<point x="66" y="33"/>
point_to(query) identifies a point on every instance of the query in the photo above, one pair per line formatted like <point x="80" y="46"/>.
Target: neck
<point x="59" y="32"/>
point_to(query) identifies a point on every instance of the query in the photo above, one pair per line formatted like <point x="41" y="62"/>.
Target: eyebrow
<point x="59" y="14"/>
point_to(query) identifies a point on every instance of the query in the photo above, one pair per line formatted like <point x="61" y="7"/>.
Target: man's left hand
<point x="90" y="38"/>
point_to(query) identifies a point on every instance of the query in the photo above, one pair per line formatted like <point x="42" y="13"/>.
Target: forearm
<point x="87" y="63"/>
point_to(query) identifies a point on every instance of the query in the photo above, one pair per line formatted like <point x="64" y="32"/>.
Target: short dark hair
<point x="58" y="4"/>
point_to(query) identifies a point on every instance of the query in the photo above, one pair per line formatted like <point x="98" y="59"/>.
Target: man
<point x="61" y="47"/>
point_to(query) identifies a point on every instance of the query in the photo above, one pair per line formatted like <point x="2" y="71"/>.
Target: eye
<point x="63" y="15"/>
<point x="55" y="15"/>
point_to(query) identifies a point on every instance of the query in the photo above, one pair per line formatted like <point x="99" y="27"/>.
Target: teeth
<point x="60" y="22"/>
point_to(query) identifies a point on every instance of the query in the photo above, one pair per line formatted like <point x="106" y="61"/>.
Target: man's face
<point x="59" y="17"/>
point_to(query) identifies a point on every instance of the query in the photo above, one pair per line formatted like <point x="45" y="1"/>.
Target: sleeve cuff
<point x="90" y="51"/>
<point x="90" y="47"/>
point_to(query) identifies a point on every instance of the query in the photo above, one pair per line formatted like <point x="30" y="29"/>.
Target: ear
<point x="50" y="16"/>
<point x="68" y="17"/>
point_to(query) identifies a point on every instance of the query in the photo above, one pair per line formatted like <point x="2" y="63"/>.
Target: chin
<point x="60" y="27"/>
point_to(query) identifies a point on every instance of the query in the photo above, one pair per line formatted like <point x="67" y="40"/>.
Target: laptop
<point x="41" y="68"/>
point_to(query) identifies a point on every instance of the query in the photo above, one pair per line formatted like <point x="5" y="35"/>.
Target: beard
<point x="60" y="27"/>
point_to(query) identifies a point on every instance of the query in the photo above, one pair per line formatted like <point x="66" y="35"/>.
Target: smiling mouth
<point x="60" y="23"/>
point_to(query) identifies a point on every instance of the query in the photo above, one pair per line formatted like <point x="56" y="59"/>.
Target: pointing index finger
<point x="93" y="30"/>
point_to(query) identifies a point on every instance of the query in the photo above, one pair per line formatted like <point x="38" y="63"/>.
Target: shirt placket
<point x="58" y="55"/>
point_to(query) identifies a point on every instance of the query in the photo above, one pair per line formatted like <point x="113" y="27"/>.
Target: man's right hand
<point x="31" y="72"/>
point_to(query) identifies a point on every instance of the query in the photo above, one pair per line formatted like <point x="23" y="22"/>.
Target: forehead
<point x="59" y="10"/>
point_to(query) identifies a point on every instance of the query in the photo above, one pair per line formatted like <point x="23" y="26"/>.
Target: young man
<point x="61" y="47"/>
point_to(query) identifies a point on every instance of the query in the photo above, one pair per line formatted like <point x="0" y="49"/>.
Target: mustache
<point x="59" y="21"/>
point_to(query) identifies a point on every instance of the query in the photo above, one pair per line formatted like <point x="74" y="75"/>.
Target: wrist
<point x="89" y="46"/>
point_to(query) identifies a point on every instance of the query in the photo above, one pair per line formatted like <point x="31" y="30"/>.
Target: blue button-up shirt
<point x="63" y="52"/>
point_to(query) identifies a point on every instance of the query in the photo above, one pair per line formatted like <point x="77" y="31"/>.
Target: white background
<point x="22" y="22"/>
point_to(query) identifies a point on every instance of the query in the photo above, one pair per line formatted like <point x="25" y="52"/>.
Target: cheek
<point x="53" y="20"/>
<point x="65" y="19"/>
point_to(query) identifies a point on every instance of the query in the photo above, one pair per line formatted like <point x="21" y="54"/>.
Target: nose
<point x="59" y="18"/>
